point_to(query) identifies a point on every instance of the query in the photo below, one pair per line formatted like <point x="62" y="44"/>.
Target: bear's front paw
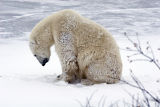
<point x="69" y="79"/>
<point x="66" y="78"/>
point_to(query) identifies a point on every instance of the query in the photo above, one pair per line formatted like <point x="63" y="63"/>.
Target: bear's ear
<point x="36" y="42"/>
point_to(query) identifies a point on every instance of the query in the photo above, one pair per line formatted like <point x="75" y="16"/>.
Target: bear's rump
<point x="104" y="67"/>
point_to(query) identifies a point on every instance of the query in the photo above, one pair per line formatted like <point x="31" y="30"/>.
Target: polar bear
<point x="87" y="52"/>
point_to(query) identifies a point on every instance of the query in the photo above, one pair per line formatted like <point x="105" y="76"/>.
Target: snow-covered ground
<point x="25" y="83"/>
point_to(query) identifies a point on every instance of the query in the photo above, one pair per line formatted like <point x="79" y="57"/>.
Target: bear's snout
<point x="45" y="60"/>
<point x="42" y="60"/>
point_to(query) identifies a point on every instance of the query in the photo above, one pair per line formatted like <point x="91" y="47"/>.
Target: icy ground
<point x="25" y="83"/>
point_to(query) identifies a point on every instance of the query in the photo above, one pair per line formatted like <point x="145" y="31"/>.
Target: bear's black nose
<point x="45" y="60"/>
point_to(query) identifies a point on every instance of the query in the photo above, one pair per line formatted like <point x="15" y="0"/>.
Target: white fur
<point x="86" y="50"/>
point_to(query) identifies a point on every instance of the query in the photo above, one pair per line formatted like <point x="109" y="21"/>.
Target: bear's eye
<point x="35" y="55"/>
<point x="32" y="43"/>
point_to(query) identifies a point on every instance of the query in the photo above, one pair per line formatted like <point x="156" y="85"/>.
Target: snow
<point x="25" y="83"/>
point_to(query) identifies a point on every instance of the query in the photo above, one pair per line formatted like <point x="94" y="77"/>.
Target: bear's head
<point x="41" y="40"/>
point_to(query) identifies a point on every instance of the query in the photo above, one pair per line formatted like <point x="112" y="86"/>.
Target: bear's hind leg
<point x="104" y="70"/>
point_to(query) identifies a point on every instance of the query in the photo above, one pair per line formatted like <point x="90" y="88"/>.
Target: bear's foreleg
<point x="67" y="54"/>
<point x="69" y="67"/>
